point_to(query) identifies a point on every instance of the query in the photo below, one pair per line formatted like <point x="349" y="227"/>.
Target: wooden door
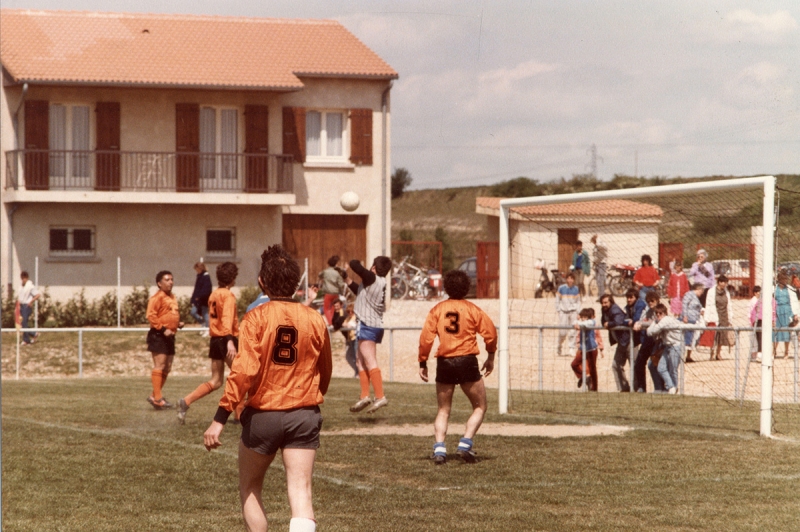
<point x="107" y="165"/>
<point x="37" y="137"/>
<point x="256" y="146"/>
<point x="488" y="274"/>
<point x="320" y="236"/>
<point x="566" y="247"/>
<point x="187" y="144"/>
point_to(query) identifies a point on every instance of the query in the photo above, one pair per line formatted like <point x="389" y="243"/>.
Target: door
<point x="488" y="274"/>
<point x="256" y="141"/>
<point x="320" y="236"/>
<point x="107" y="160"/>
<point x="37" y="137"/>
<point x="566" y="247"/>
<point x="187" y="146"/>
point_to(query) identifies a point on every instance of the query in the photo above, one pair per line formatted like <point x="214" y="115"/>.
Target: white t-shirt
<point x="27" y="293"/>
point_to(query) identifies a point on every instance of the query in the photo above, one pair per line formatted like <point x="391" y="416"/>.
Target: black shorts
<point x="457" y="370"/>
<point x="158" y="344"/>
<point x="218" y="347"/>
<point x="267" y="431"/>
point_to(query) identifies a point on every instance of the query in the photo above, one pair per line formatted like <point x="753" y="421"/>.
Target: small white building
<point x="548" y="233"/>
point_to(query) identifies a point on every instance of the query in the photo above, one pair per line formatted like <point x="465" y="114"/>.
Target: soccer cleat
<point x="161" y="404"/>
<point x="465" y="452"/>
<point x="182" y="408"/>
<point x="439" y="455"/>
<point x="439" y="459"/>
<point x="380" y="403"/>
<point x="361" y="404"/>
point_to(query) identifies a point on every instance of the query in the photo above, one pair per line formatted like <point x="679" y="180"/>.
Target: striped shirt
<point x="370" y="296"/>
<point x="691" y="307"/>
<point x="568" y="299"/>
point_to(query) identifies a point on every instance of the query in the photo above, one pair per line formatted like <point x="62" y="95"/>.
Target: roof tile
<point x="582" y="208"/>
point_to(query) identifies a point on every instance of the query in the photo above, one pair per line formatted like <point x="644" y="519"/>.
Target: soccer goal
<point x="732" y="223"/>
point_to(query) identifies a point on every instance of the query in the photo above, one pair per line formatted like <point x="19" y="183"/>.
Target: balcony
<point x="128" y="171"/>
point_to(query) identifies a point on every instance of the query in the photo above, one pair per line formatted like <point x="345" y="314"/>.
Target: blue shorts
<point x="371" y="334"/>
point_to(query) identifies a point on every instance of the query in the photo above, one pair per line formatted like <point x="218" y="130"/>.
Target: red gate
<point x="488" y="274"/>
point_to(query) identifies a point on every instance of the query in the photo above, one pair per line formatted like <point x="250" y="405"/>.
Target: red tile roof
<point x="582" y="208"/>
<point x="180" y="50"/>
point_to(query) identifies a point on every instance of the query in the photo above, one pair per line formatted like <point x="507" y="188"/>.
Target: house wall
<point x="148" y="124"/>
<point x="534" y="241"/>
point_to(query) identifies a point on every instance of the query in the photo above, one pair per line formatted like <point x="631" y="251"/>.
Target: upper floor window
<point x="69" y="141"/>
<point x="221" y="242"/>
<point x="326" y="133"/>
<point x="72" y="241"/>
<point x="219" y="142"/>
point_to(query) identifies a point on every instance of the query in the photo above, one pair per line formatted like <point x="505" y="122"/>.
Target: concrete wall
<point x="129" y="231"/>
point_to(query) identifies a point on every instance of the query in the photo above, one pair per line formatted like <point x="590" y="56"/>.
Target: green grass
<point x="90" y="454"/>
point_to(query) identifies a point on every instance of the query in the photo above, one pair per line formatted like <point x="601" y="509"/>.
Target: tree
<point x="448" y="255"/>
<point x="519" y="187"/>
<point x="401" y="178"/>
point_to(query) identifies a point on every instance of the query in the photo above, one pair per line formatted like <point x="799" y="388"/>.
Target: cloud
<point x="743" y="25"/>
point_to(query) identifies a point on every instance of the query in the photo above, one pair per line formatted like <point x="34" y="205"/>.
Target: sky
<point x="490" y="90"/>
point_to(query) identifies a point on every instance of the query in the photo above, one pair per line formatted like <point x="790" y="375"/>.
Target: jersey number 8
<point x="284" y="352"/>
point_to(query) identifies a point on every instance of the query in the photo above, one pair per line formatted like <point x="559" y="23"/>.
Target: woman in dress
<point x="784" y="315"/>
<point x="719" y="310"/>
<point x="677" y="287"/>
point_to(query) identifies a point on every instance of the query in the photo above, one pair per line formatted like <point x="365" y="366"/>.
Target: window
<point x="221" y="242"/>
<point x="325" y="136"/>
<point x="69" y="142"/>
<point x="72" y="241"/>
<point x="219" y="142"/>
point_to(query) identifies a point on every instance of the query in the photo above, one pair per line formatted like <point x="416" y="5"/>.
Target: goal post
<point x="509" y="207"/>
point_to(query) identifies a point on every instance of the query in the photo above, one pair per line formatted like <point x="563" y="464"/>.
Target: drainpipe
<point x="10" y="213"/>
<point x="384" y="154"/>
<point x="16" y="116"/>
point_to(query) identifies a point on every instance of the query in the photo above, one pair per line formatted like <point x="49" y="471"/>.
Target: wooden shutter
<point x="107" y="165"/>
<point x="361" y="136"/>
<point x="187" y="144"/>
<point x="37" y="137"/>
<point x="256" y="146"/>
<point x="294" y="133"/>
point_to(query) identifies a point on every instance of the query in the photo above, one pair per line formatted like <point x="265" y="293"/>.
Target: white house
<point x="161" y="139"/>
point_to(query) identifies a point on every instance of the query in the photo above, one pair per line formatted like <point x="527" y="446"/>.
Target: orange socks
<point x="201" y="391"/>
<point x="377" y="382"/>
<point x="363" y="378"/>
<point x="157" y="378"/>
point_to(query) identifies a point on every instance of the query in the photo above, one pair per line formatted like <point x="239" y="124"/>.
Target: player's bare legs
<point x="252" y="468"/>
<point x="444" y="398"/>
<point x="368" y="371"/>
<point x="162" y="364"/>
<point x="476" y="393"/>
<point x="367" y="357"/>
<point x="299" y="465"/>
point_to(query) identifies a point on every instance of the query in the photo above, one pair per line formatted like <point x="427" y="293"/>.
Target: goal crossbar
<point x="766" y="183"/>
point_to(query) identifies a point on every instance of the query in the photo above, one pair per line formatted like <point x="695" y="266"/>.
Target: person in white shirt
<point x="668" y="328"/>
<point x="27" y="296"/>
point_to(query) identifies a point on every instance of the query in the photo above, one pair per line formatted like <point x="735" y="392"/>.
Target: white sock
<point x="301" y="524"/>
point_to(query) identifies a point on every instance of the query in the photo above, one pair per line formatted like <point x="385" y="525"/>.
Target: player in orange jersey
<point x="165" y="320"/>
<point x="224" y="330"/>
<point x="456" y="322"/>
<point x="284" y="367"/>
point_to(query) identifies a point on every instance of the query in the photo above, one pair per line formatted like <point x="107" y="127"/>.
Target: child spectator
<point x="592" y="342"/>
<point x="666" y="327"/>
<point x="755" y="313"/>
<point x="677" y="287"/>
<point x="568" y="301"/>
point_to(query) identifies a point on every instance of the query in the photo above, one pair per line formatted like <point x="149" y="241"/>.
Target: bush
<point x="134" y="306"/>
<point x="247" y="294"/>
<point x="7" y="305"/>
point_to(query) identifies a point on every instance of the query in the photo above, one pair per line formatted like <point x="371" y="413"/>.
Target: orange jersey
<point x="162" y="311"/>
<point x="284" y="359"/>
<point x="456" y="322"/>
<point x="223" y="319"/>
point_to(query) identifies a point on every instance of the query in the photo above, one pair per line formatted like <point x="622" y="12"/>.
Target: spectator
<point x="199" y="300"/>
<point x="784" y="315"/>
<point x="581" y="265"/>
<point x="614" y="317"/>
<point x="702" y="272"/>
<point x="677" y="288"/>
<point x="599" y="258"/>
<point x="719" y="311"/>
<point x="27" y="297"/>
<point x="666" y="329"/>
<point x="755" y="314"/>
<point x="646" y="278"/>
<point x="648" y="344"/>
<point x="592" y="341"/>
<point x="691" y="311"/>
<point x="331" y="286"/>
<point x="568" y="301"/>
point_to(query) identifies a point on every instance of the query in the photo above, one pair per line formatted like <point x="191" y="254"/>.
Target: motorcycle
<point x="546" y="284"/>
<point x="621" y="279"/>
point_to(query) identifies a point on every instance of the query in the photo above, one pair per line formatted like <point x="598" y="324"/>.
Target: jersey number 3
<point x="285" y="350"/>
<point x="453" y="328"/>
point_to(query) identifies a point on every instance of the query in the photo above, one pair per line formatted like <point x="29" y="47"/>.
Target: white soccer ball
<point x="349" y="201"/>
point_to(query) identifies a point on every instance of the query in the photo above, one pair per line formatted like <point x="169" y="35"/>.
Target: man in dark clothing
<point x="613" y="317"/>
<point x="202" y="290"/>
<point x="649" y="345"/>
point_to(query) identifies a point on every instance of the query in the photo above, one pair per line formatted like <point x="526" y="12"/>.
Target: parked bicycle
<point x="412" y="282"/>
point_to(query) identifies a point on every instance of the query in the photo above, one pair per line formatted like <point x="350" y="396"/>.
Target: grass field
<point x="90" y="454"/>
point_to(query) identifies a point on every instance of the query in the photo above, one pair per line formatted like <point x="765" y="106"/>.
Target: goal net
<point x="719" y="227"/>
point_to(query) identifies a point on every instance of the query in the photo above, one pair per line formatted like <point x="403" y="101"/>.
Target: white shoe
<point x="383" y="401"/>
<point x="361" y="404"/>
<point x="758" y="357"/>
<point x="204" y="334"/>
<point x="673" y="391"/>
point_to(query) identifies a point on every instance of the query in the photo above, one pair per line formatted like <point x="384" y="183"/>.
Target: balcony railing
<point x="148" y="171"/>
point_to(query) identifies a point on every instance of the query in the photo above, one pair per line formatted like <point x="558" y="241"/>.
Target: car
<point x="738" y="271"/>
<point x="470" y="266"/>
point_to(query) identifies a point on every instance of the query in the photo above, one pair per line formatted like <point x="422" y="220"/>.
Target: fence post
<point x="119" y="289"/>
<point x="681" y="366"/>
<point x="391" y="355"/>
<point x="17" y="371"/>
<point x="541" y="359"/>
<point x="36" y="303"/>
<point x="80" y="353"/>
<point x="584" y="387"/>
<point x="794" y="373"/>
<point x="736" y="364"/>
<point x="632" y="357"/>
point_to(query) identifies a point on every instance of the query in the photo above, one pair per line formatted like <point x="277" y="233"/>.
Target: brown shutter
<point x="361" y="136"/>
<point x="256" y="145"/>
<point x="187" y="144"/>
<point x="107" y="165"/>
<point x="37" y="137"/>
<point x="294" y="133"/>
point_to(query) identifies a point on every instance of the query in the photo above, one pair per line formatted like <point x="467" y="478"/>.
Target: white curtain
<point x="313" y="132"/>
<point x="58" y="139"/>
<point x="333" y="128"/>
<point x="208" y="142"/>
